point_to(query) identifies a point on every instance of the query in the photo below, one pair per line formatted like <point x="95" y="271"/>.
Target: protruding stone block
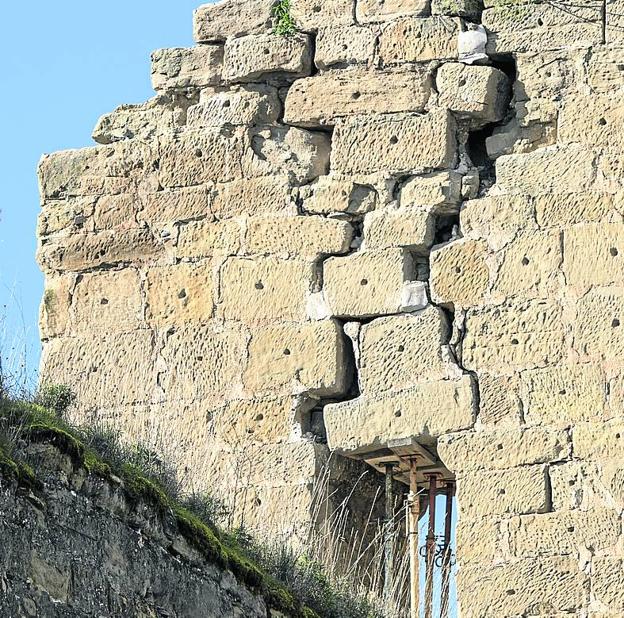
<point x="439" y="191"/>
<point x="181" y="68"/>
<point x="413" y="228"/>
<point x="340" y="45"/>
<point x="338" y="194"/>
<point x="216" y="22"/>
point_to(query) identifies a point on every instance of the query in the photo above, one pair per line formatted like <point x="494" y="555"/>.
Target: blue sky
<point x="65" y="64"/>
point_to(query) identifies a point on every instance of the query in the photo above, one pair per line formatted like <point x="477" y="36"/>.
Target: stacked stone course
<point x="349" y="236"/>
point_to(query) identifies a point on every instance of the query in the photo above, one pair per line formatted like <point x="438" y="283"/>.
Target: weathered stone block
<point x="399" y="227"/>
<point x="181" y="68"/>
<point x="69" y="216"/>
<point x="565" y="209"/>
<point x="180" y="293"/>
<point x="480" y="540"/>
<point x="250" y="105"/>
<point x="116" y="211"/>
<point x="332" y="194"/>
<point x="301" y="358"/>
<point x="323" y="99"/>
<point x="499" y="400"/>
<point x="265" y="289"/>
<point x="308" y="237"/>
<point x="311" y="15"/>
<point x="367" y="283"/>
<point x="439" y="191"/>
<point x="503" y="448"/>
<point x="267" y="55"/>
<point x="460" y="8"/>
<point x="599" y="442"/>
<point x="229" y="18"/>
<point x="459" y="273"/>
<point x="428" y="409"/>
<point x="344" y="45"/>
<point x="398" y="351"/>
<point x="546" y="74"/>
<point x="603" y="74"/>
<point x="419" y="40"/>
<point x="207" y="238"/>
<point x="608" y="582"/>
<point x="479" y="94"/>
<point x="163" y="208"/>
<point x="386" y="143"/>
<point x="513" y="336"/>
<point x="54" y="309"/>
<point x="384" y="10"/>
<point x="576" y="484"/>
<point x="515" y="491"/>
<point x="592" y="120"/>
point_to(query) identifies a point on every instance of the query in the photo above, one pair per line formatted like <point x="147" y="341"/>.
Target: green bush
<point x="57" y="398"/>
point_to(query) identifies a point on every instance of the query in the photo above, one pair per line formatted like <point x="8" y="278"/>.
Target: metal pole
<point x="446" y="560"/>
<point x="388" y="532"/>
<point x="431" y="546"/>
<point x="414" y="516"/>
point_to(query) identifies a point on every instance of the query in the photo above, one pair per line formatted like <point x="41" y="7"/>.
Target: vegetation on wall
<point x="283" y="23"/>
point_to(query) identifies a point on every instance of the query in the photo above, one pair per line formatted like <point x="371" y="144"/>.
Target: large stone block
<point x="499" y="400"/>
<point x="608" y="582"/>
<point x="307" y="237"/>
<point x="459" y="273"/>
<point x="399" y="351"/>
<point x="399" y="227"/>
<point x="311" y="15"/>
<point x="479" y="541"/>
<point x="301" y="358"/>
<point x="565" y="209"/>
<point x="181" y="68"/>
<point x="54" y="309"/>
<point x="603" y="74"/>
<point x="249" y="58"/>
<point x="419" y="40"/>
<point x="529" y="27"/>
<point x="116" y="211"/>
<point x="209" y="238"/>
<point x="385" y="10"/>
<point x="72" y="215"/>
<point x="576" y="485"/>
<point x="164" y="208"/>
<point x="563" y="395"/>
<point x="340" y="45"/>
<point x="265" y="289"/>
<point x="599" y="442"/>
<point x="516" y="491"/>
<point x="594" y="255"/>
<point x="323" y="99"/>
<point x="108" y="301"/>
<point x="438" y="191"/>
<point x="523" y="587"/>
<point x="546" y="74"/>
<point x="180" y="293"/>
<point x="429" y="409"/>
<point x="514" y="336"/>
<point x="503" y="448"/>
<point x="367" y="283"/>
<point x="229" y="18"/>
<point x="338" y="194"/>
<point x="592" y="120"/>
<point x="386" y="143"/>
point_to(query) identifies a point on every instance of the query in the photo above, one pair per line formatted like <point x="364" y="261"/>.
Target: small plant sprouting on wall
<point x="283" y="23"/>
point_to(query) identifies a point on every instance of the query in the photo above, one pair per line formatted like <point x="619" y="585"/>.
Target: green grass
<point x="283" y="23"/>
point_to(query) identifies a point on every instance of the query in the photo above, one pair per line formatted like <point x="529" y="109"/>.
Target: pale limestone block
<point x="547" y="170"/>
<point x="85" y="251"/>
<point x="576" y="485"/>
<point x="299" y="358"/>
<point x="519" y="335"/>
<point x="608" y="582"/>
<point x="414" y="296"/>
<point x="419" y="39"/>
<point x="67" y="216"/>
<point x="563" y="395"/>
<point x="529" y="266"/>
<point x="610" y="172"/>
<point x="370" y="11"/>
<point x="252" y="197"/>
<point x="592" y="120"/>
<point x="598" y="327"/>
<point x="103" y="369"/>
<point x="386" y="143"/>
<point x="594" y="254"/>
<point x="324" y="98"/>
<point x="599" y="442"/>
<point x="459" y="273"/>
<point x="181" y="68"/>
<point x="399" y="227"/>
<point x="311" y="15"/>
<point x="499" y="400"/>
<point x="603" y="72"/>
<point x="367" y="283"/>
<point x="307" y="237"/>
<point x="398" y="351"/>
<point x="166" y="207"/>
<point x="495" y="449"/>
<point x="537" y="28"/>
<point x="440" y="191"/>
<point x="260" y="421"/>
<point x="565" y="209"/>
<point x="498" y="219"/>
<point x="201" y="362"/>
<point x="209" y="238"/>
<point x="479" y="541"/>
<point x="180" y="293"/>
<point x="54" y="308"/>
<point x="244" y="106"/>
<point x="116" y="211"/>
<point x="317" y="307"/>
<point x="479" y="94"/>
<point x="428" y="409"/>
<point x="564" y="532"/>
<point x="259" y="56"/>
<point x="265" y="289"/>
<point x="109" y="301"/>
<point x="545" y="74"/>
<point x="614" y="22"/>
<point x="516" y="491"/>
<point x="344" y="45"/>
<point x="229" y="18"/>
<point x="521" y="587"/>
<point x="333" y="194"/>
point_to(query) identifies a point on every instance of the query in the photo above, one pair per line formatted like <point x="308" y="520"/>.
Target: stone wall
<point x="350" y="236"/>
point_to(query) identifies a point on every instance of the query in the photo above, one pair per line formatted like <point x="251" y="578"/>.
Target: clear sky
<point x="65" y="64"/>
